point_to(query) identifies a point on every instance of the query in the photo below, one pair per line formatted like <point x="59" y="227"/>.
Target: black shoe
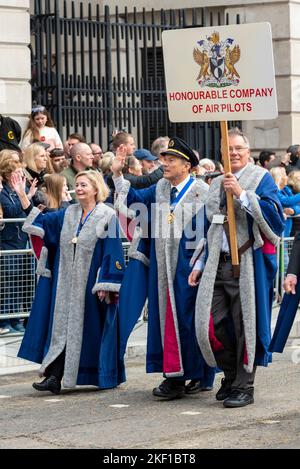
<point x="225" y="390"/>
<point x="169" y="389"/>
<point x="195" y="386"/>
<point x="48" y="384"/>
<point x="239" y="398"/>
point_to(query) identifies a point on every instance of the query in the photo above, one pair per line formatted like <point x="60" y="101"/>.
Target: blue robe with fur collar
<point x="159" y="268"/>
<point x="66" y="312"/>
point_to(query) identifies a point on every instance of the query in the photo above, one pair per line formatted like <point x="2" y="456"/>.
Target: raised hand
<point x="32" y="189"/>
<point x="18" y="182"/>
<point x="118" y="164"/>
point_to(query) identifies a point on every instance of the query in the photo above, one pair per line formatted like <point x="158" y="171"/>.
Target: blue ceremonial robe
<point x="258" y="268"/>
<point x="290" y="303"/>
<point x="144" y="279"/>
<point x="286" y="316"/>
<point x="64" y="275"/>
<point x="265" y="266"/>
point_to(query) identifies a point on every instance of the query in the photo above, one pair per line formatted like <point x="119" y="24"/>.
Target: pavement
<point x="130" y="417"/>
<point x="136" y="347"/>
<point x="10" y="344"/>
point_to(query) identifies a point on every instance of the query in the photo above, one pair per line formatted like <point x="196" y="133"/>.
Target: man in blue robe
<point x="171" y="218"/>
<point x="290" y="302"/>
<point x="233" y="312"/>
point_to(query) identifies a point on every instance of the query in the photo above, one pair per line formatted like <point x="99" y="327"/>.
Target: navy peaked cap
<point x="178" y="147"/>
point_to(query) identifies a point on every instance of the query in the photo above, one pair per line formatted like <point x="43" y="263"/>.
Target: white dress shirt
<point x="245" y="205"/>
<point x="181" y="185"/>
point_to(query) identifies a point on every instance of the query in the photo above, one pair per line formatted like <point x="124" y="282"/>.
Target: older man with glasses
<point x="97" y="155"/>
<point x="233" y="313"/>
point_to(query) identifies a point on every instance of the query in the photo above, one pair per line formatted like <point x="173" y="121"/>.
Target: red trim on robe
<point x="128" y="226"/>
<point x="245" y="359"/>
<point x="216" y="345"/>
<point x="268" y="247"/>
<point x="171" y="361"/>
<point x="37" y="244"/>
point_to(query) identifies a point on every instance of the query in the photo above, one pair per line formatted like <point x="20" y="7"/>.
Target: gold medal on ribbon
<point x="74" y="240"/>
<point x="170" y="218"/>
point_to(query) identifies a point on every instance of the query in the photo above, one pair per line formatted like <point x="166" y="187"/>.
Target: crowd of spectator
<point x="39" y="169"/>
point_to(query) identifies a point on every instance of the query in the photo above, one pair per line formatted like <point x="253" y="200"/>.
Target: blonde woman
<point x="10" y="155"/>
<point x="105" y="163"/>
<point x="56" y="191"/>
<point x="37" y="165"/>
<point x="71" y="331"/>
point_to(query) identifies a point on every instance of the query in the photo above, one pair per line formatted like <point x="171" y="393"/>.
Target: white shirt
<point x="47" y="135"/>
<point x="181" y="185"/>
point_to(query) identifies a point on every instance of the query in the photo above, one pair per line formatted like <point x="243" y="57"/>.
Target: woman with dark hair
<point x="41" y="128"/>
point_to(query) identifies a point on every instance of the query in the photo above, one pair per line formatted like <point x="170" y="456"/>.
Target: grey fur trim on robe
<point x="68" y="318"/>
<point x="133" y="252"/>
<point x="198" y="251"/>
<point x="167" y="239"/>
<point x="120" y="203"/>
<point x="105" y="286"/>
<point x="249" y="180"/>
<point x="41" y="268"/>
<point x="120" y="206"/>
<point x="29" y="228"/>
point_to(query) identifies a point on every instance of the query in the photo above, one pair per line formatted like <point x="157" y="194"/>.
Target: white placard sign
<point x="220" y="73"/>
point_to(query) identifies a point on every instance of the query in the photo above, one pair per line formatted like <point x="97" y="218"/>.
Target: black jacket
<point x="141" y="182"/>
<point x="10" y="134"/>
<point x="137" y="182"/>
<point x="12" y="236"/>
<point x="294" y="263"/>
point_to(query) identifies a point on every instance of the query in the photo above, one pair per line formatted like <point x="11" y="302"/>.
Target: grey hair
<point x="236" y="132"/>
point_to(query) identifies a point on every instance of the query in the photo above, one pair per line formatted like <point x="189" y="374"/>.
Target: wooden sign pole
<point x="230" y="206"/>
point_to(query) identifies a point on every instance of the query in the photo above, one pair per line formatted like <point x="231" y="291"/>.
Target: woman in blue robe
<point x="73" y="327"/>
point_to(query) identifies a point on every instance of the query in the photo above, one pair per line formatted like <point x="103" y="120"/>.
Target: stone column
<point x="15" y="71"/>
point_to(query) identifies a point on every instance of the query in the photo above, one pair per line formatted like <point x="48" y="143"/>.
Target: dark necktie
<point x="223" y="200"/>
<point x="173" y="194"/>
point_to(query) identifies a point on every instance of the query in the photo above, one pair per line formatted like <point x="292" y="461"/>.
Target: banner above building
<point x="220" y="73"/>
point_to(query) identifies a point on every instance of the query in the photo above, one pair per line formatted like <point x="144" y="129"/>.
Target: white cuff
<point x="118" y="182"/>
<point x="199" y="265"/>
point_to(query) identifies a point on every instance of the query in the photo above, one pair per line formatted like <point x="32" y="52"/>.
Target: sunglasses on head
<point x="38" y="109"/>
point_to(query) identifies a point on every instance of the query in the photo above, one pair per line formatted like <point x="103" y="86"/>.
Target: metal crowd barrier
<point x="284" y="250"/>
<point x="18" y="278"/>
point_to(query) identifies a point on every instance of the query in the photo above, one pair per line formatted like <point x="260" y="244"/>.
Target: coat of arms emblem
<point x="217" y="61"/>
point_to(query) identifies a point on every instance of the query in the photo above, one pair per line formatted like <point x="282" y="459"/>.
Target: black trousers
<point x="229" y="329"/>
<point x="56" y="368"/>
